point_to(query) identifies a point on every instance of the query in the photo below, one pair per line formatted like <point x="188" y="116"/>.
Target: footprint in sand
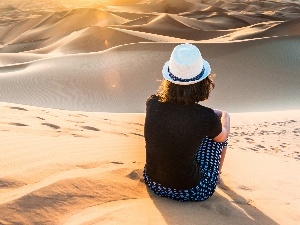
<point x="136" y="175"/>
<point x="91" y="165"/>
<point x="249" y="140"/>
<point x="51" y="125"/>
<point x="77" y="115"/>
<point x="117" y="162"/>
<point x="77" y="135"/>
<point x="90" y="128"/>
<point x="19" y="108"/>
<point x="296" y="130"/>
<point x="260" y="146"/>
<point x="19" y="124"/>
<point x="137" y="134"/>
<point x="243" y="187"/>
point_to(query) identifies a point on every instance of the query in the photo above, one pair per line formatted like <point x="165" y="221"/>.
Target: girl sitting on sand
<point x="185" y="141"/>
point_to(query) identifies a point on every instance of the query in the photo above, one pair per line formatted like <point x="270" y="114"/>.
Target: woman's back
<point x="173" y="134"/>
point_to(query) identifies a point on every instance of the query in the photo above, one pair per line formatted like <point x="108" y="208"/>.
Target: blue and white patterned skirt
<point x="208" y="156"/>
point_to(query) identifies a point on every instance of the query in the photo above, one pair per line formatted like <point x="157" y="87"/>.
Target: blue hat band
<point x="198" y="77"/>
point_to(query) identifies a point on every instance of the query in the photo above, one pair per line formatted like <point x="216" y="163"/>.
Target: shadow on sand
<point x="217" y="210"/>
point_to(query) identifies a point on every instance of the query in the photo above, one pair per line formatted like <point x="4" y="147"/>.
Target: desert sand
<point x="74" y="78"/>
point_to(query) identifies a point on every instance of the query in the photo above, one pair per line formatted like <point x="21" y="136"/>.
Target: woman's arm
<point x="225" y="121"/>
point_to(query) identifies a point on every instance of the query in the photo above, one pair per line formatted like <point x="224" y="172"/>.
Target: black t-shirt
<point x="173" y="133"/>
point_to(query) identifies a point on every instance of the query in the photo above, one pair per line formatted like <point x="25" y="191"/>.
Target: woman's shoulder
<point x="204" y="108"/>
<point x="208" y="112"/>
<point x="153" y="97"/>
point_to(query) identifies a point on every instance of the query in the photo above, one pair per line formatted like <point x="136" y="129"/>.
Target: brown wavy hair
<point x="186" y="94"/>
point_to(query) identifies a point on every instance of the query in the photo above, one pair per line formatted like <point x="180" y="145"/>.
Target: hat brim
<point x="166" y="74"/>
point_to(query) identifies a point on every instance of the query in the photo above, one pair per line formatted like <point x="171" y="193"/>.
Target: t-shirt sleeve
<point x="216" y="126"/>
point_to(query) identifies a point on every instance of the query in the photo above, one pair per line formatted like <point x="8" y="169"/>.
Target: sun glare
<point x="103" y="1"/>
<point x="82" y="3"/>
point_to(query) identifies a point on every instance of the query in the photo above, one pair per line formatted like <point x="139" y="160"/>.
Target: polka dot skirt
<point x="208" y="156"/>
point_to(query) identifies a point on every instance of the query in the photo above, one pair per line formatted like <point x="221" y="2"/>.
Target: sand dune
<point x="132" y="15"/>
<point x="92" y="39"/>
<point x="160" y="6"/>
<point x="75" y="167"/>
<point x="66" y="25"/>
<point x="12" y="59"/>
<point x="176" y="28"/>
<point x="102" y="81"/>
<point x="96" y="39"/>
<point x="209" y="20"/>
<point x="74" y="78"/>
<point x="288" y="28"/>
<point x="141" y="20"/>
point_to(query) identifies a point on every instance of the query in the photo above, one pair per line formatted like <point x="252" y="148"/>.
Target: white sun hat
<point x="186" y="65"/>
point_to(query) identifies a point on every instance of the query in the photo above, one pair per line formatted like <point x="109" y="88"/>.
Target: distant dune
<point x="248" y="51"/>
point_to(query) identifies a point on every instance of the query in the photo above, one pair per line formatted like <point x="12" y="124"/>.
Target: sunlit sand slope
<point x="74" y="167"/>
